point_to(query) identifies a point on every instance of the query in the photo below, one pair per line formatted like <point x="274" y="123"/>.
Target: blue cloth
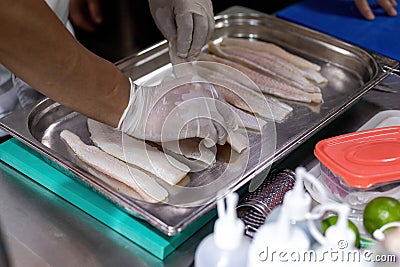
<point x="341" y="19"/>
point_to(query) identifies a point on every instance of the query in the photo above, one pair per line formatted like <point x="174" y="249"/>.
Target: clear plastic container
<point x="360" y="166"/>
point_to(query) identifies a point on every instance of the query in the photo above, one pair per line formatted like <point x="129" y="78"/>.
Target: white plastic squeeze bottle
<point x="227" y="246"/>
<point x="272" y="240"/>
<point x="297" y="202"/>
<point x="337" y="246"/>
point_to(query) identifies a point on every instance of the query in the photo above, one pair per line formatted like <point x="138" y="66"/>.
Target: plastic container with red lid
<point x="360" y="165"/>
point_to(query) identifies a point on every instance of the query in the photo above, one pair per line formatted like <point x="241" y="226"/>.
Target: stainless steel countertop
<point x="41" y="229"/>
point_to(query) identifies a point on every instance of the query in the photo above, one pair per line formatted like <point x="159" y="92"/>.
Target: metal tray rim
<point x="24" y="135"/>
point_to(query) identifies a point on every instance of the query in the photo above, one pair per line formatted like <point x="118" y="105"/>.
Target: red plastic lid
<point x="363" y="159"/>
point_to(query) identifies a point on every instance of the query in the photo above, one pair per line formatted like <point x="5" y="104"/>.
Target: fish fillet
<point x="118" y="186"/>
<point x="142" y="183"/>
<point x="255" y="103"/>
<point x="312" y="75"/>
<point x="191" y="152"/>
<point x="263" y="64"/>
<point x="265" y="83"/>
<point x="272" y="49"/>
<point x="251" y="62"/>
<point x="198" y="157"/>
<point x="136" y="152"/>
<point x="238" y="141"/>
<point x="247" y="99"/>
<point x="216" y="49"/>
<point x="249" y="121"/>
<point x="271" y="60"/>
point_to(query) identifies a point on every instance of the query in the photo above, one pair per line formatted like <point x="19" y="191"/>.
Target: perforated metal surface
<point x="351" y="73"/>
<point x="256" y="205"/>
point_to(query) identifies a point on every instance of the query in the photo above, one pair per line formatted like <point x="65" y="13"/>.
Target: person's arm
<point x="36" y="47"/>
<point x="387" y="5"/>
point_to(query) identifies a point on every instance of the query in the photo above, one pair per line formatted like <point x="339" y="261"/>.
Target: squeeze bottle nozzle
<point x="228" y="229"/>
<point x="336" y="233"/>
<point x="227" y="246"/>
<point x="297" y="202"/>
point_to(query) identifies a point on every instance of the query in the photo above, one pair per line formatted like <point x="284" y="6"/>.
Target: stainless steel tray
<point x="350" y="70"/>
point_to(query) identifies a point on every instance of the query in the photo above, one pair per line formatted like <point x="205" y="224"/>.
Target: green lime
<point x="332" y="220"/>
<point x="380" y="211"/>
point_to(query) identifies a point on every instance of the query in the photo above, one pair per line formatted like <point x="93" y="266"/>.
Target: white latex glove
<point x="177" y="109"/>
<point x="186" y="24"/>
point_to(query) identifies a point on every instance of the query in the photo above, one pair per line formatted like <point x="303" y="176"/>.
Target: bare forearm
<point x="37" y="47"/>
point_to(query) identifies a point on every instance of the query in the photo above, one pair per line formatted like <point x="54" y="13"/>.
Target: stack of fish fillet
<point x="145" y="170"/>
<point x="276" y="72"/>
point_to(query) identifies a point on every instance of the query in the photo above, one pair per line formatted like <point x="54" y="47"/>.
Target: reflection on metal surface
<point x="4" y="261"/>
<point x="391" y="70"/>
<point x="384" y="88"/>
<point x="350" y="70"/>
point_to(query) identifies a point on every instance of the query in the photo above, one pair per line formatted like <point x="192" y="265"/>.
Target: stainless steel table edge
<point x="152" y="54"/>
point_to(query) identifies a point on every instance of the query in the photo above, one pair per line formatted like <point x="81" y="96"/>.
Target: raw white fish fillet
<point x="272" y="49"/>
<point x="247" y="99"/>
<point x="307" y="93"/>
<point x="271" y="60"/>
<point x="251" y="102"/>
<point x="277" y="62"/>
<point x="265" y="83"/>
<point x="255" y="104"/>
<point x="238" y="141"/>
<point x="136" y="152"/>
<point x="264" y="64"/>
<point x="216" y="69"/>
<point x="195" y="165"/>
<point x="94" y="157"/>
<point x="249" y="121"/>
<point x="216" y="49"/>
<point x="118" y="186"/>
<point x="190" y="152"/>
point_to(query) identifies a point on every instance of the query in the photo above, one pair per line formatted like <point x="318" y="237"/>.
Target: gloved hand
<point x="186" y="107"/>
<point x="186" y="24"/>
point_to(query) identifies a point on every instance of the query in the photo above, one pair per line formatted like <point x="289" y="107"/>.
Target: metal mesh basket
<point x="256" y="205"/>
